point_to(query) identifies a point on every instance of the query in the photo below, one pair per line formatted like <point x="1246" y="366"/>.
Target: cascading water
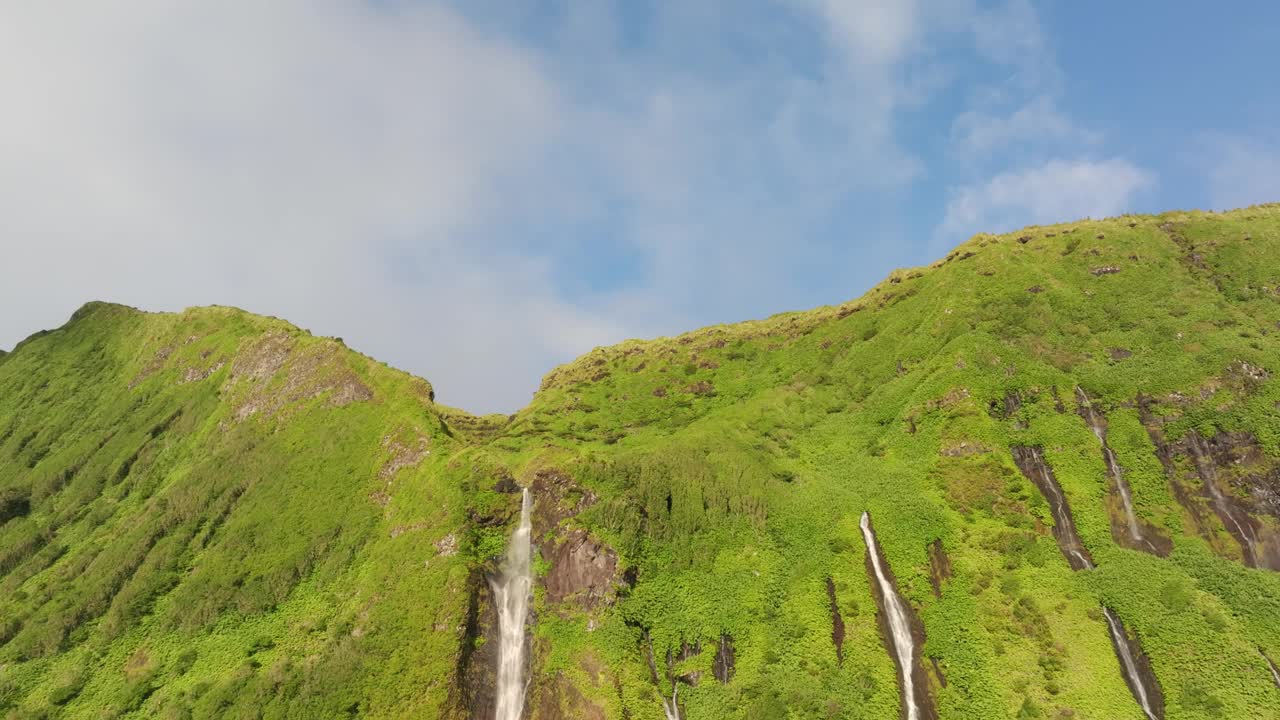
<point x="899" y="625"/>
<point x="1128" y="658"/>
<point x="670" y="707"/>
<point x="1209" y="475"/>
<point x="1275" y="671"/>
<point x="1133" y="663"/>
<point x="1030" y="461"/>
<point x="511" y="592"/>
<point x="1098" y="425"/>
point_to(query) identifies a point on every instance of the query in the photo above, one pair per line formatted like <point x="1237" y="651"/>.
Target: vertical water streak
<point x="1209" y="475"/>
<point x="670" y="707"/>
<point x="1098" y="425"/>
<point x="511" y="592"/>
<point x="1030" y="461"/>
<point x="1124" y="649"/>
<point x="1275" y="671"/>
<point x="1141" y="684"/>
<point x="899" y="625"/>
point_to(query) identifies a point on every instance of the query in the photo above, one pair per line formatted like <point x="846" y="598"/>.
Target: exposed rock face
<point x="1030" y="460"/>
<point x="685" y="652"/>
<point x="837" y="622"/>
<point x="582" y="570"/>
<point x="1127" y="529"/>
<point x="307" y="372"/>
<point x="476" y="681"/>
<point x="1226" y="484"/>
<point x="1012" y="403"/>
<point x="939" y="567"/>
<point x="556" y="498"/>
<point x="1137" y="667"/>
<point x="920" y="680"/>
<point x="1241" y="488"/>
<point x="723" y="666"/>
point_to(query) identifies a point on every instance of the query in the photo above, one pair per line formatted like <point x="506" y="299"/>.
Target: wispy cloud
<point x="1056" y="191"/>
<point x="477" y="191"/>
<point x="978" y="135"/>
<point x="1240" y="170"/>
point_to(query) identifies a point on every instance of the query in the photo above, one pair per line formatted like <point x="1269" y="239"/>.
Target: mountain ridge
<point x="212" y="513"/>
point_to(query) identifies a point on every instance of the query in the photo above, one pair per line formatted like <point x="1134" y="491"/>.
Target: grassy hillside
<point x="214" y="514"/>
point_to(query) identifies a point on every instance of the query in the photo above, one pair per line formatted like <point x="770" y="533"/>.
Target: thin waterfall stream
<point x="1275" y="671"/>
<point x="1209" y="476"/>
<point x="1133" y="663"/>
<point x="1128" y="659"/>
<point x="1098" y="424"/>
<point x="899" y="624"/>
<point x="511" y="592"/>
<point x="671" y="708"/>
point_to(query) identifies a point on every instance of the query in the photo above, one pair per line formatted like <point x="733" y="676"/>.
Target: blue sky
<point x="477" y="191"/>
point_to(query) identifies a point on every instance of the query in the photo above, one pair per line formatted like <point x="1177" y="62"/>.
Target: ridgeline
<point x="1067" y="438"/>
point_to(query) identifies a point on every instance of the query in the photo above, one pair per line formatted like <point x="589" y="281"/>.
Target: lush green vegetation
<point x="214" y="514"/>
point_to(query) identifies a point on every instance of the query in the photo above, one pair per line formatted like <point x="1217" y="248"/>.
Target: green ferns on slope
<point x="213" y="514"/>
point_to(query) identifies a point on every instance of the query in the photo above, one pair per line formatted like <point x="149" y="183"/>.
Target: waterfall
<point x="1142" y="684"/>
<point x="511" y="592"/>
<point x="670" y="708"/>
<point x="1099" y="426"/>
<point x="1030" y="461"/>
<point x="1209" y="475"/>
<point x="1125" y="651"/>
<point x="1275" y="672"/>
<point x="899" y="626"/>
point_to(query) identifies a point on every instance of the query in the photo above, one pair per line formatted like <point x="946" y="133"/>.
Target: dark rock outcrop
<point x="920" y="678"/>
<point x="837" y="622"/>
<point x="724" y="665"/>
<point x="582" y="570"/>
<point x="939" y="567"/>
<point x="1127" y="529"/>
<point x="1224" y="483"/>
<point x="1030" y="460"/>
<point x="476" y="673"/>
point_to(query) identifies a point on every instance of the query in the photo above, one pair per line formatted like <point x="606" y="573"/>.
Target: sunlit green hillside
<point x="214" y="514"/>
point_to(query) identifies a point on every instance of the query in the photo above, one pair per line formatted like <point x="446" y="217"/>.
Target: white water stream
<point x="670" y="707"/>
<point x="899" y="627"/>
<point x="1121" y="639"/>
<point x="511" y="592"/>
<point x="1275" y="672"/>
<point x="1209" y="473"/>
<point x="1098" y="425"/>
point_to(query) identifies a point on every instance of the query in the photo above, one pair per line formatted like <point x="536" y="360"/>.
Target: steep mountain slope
<point x="1066" y="441"/>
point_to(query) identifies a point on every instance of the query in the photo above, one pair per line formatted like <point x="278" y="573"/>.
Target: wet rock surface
<point x="1030" y="460"/>
<point x="1137" y="667"/>
<point x="724" y="666"/>
<point x="920" y="679"/>
<point x="1226" y="484"/>
<point x="837" y="622"/>
<point x="582" y="570"/>
<point x="476" y="673"/>
<point x="939" y="567"/>
<point x="1127" y="529"/>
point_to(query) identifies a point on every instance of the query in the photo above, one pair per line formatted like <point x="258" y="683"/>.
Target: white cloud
<point x="872" y="32"/>
<point x="977" y="135"/>
<point x="1241" y="171"/>
<point x="1010" y="33"/>
<point x="1057" y="191"/>
<point x="273" y="156"/>
<point x="425" y="181"/>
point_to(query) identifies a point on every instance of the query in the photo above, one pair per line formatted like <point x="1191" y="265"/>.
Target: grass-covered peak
<point x="216" y="514"/>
